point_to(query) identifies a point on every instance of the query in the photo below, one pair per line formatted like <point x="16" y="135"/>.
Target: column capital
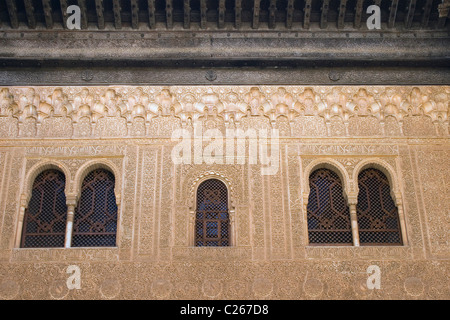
<point x="71" y="199"/>
<point x="397" y="198"/>
<point x="24" y="199"/>
<point x="352" y="199"/>
<point x="118" y="200"/>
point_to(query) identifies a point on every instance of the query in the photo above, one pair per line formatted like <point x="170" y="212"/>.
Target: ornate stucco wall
<point x="404" y="131"/>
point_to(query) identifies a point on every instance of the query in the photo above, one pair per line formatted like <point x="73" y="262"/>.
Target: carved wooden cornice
<point x="213" y="14"/>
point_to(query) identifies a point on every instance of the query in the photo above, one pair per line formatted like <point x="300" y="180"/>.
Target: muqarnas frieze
<point x="122" y="111"/>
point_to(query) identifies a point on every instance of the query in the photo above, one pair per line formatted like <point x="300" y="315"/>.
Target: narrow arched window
<point x="95" y="220"/>
<point x="377" y="213"/>
<point x="327" y="210"/>
<point x="212" y="223"/>
<point x="45" y="218"/>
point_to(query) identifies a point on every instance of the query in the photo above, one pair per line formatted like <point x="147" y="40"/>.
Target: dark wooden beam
<point x="289" y="14"/>
<point x="256" y="8"/>
<point x="151" y="14"/>
<point x="169" y="14"/>
<point x="272" y="14"/>
<point x="324" y="14"/>
<point x="341" y="17"/>
<point x="221" y="13"/>
<point x="29" y="9"/>
<point x="307" y="17"/>
<point x="444" y="12"/>
<point x="100" y="14"/>
<point x="12" y="11"/>
<point x="135" y="14"/>
<point x="238" y="14"/>
<point x="84" y="19"/>
<point x="392" y="13"/>
<point x="203" y="11"/>
<point x="358" y="14"/>
<point x="410" y="14"/>
<point x="47" y="6"/>
<point x="64" y="14"/>
<point x="426" y="13"/>
<point x="187" y="14"/>
<point x="117" y="17"/>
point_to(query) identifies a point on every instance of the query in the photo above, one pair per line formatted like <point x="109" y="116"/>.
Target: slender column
<point x="191" y="235"/>
<point x="402" y="221"/>
<point x="232" y="233"/>
<point x="71" y="203"/>
<point x="305" y="217"/>
<point x="23" y="206"/>
<point x="353" y="201"/>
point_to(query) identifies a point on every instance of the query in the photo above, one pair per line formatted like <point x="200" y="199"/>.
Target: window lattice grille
<point x="328" y="213"/>
<point x="45" y="218"/>
<point x="212" y="222"/>
<point x="95" y="220"/>
<point x="377" y="213"/>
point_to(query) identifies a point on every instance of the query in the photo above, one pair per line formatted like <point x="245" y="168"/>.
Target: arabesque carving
<point x="402" y="131"/>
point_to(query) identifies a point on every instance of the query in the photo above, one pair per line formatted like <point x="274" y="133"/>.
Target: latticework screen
<point x="377" y="213"/>
<point x="45" y="218"/>
<point x="95" y="220"/>
<point x="328" y="213"/>
<point x="212" y="224"/>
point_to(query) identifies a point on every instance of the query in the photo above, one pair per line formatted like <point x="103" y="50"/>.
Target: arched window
<point x="328" y="213"/>
<point x="212" y="223"/>
<point x="95" y="219"/>
<point x="377" y="213"/>
<point x="45" y="218"/>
